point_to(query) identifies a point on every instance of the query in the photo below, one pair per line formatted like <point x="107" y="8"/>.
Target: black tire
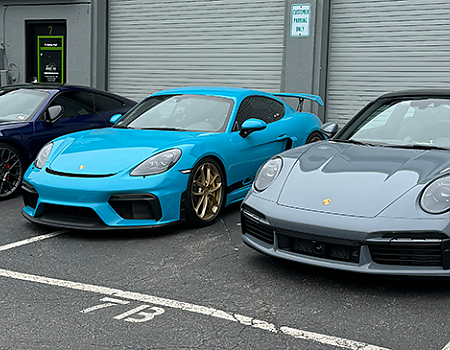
<point x="314" y="137"/>
<point x="205" y="193"/>
<point x="11" y="171"/>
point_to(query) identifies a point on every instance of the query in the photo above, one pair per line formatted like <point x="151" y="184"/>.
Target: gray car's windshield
<point x="179" y="112"/>
<point x="421" y="123"/>
<point x="20" y="105"/>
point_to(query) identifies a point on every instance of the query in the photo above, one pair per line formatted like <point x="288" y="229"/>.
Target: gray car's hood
<point x="357" y="180"/>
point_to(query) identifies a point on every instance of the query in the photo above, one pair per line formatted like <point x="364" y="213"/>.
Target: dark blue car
<point x="32" y="115"/>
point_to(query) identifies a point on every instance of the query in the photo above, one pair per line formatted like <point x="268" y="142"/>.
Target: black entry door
<point x="46" y="51"/>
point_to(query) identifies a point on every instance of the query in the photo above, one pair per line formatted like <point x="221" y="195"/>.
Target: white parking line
<point x="31" y="240"/>
<point x="244" y="320"/>
<point x="447" y="347"/>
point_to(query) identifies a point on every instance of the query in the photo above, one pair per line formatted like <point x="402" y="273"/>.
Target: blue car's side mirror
<point x="115" y="118"/>
<point x="251" y="125"/>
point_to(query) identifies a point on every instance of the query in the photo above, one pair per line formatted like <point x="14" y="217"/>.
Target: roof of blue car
<point x="212" y="90"/>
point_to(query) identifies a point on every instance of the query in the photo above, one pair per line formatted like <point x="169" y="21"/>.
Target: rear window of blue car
<point x="78" y="103"/>
<point x="258" y="107"/>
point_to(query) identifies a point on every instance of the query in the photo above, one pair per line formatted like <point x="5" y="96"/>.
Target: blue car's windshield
<point x="179" y="112"/>
<point x="407" y="123"/>
<point x="20" y="105"/>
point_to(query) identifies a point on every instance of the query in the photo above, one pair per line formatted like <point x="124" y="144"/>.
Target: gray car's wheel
<point x="205" y="193"/>
<point x="314" y="137"/>
<point x="11" y="171"/>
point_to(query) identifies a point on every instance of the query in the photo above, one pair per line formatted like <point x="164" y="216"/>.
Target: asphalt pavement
<point x="187" y="288"/>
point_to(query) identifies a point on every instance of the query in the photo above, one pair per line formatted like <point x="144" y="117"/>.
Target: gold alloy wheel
<point x="315" y="138"/>
<point x="206" y="191"/>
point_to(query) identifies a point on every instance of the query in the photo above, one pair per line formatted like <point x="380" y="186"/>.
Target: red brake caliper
<point x="7" y="167"/>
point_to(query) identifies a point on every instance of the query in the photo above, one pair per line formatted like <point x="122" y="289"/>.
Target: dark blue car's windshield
<point x="20" y="105"/>
<point x="180" y="112"/>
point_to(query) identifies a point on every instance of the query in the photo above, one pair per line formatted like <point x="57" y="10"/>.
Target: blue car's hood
<point x="358" y="180"/>
<point x="109" y="151"/>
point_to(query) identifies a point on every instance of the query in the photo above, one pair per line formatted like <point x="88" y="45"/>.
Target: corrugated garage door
<point x="379" y="46"/>
<point x="156" y="44"/>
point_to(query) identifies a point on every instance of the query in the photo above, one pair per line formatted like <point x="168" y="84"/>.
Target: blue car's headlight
<point x="436" y="197"/>
<point x="158" y="163"/>
<point x="43" y="155"/>
<point x="268" y="173"/>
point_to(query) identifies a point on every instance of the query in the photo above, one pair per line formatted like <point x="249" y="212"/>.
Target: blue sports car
<point x="180" y="154"/>
<point x="31" y="115"/>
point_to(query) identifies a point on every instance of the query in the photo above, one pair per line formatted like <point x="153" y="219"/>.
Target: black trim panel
<point x="97" y="227"/>
<point x="59" y="173"/>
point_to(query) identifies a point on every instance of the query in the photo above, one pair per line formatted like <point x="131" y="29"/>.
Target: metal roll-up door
<point x="157" y="44"/>
<point x="378" y="46"/>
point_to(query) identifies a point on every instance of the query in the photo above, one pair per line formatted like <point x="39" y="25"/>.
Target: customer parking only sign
<point x="300" y="19"/>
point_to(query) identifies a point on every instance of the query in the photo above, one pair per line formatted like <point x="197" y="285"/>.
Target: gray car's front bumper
<point x="418" y="247"/>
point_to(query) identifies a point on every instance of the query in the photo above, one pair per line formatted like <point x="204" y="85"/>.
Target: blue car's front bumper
<point x="118" y="201"/>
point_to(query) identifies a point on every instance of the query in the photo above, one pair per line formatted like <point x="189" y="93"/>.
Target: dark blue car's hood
<point x="359" y="180"/>
<point x="111" y="150"/>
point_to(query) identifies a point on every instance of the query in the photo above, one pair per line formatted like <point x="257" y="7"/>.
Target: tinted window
<point x="103" y="103"/>
<point x="258" y="107"/>
<point x="75" y="103"/>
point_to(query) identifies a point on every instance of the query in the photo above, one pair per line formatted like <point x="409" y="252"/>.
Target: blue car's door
<point x="78" y="114"/>
<point x="250" y="152"/>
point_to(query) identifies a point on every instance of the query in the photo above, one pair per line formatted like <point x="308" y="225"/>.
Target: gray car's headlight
<point x="268" y="173"/>
<point x="436" y="197"/>
<point x="158" y="163"/>
<point x="43" y="155"/>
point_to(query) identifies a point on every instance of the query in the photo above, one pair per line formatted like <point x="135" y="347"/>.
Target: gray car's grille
<point x="312" y="245"/>
<point x="325" y="250"/>
<point x="419" y="254"/>
<point x="252" y="226"/>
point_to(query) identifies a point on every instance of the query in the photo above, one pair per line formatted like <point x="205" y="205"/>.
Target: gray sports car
<point x="374" y="198"/>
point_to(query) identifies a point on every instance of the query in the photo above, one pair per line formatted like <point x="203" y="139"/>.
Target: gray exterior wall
<point x="86" y="45"/>
<point x="305" y="59"/>
<point x="380" y="46"/>
<point x="162" y="44"/>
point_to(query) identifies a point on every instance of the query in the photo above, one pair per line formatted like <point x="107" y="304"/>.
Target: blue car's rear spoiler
<point x="300" y="96"/>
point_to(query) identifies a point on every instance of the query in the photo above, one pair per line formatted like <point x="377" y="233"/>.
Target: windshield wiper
<point x="418" y="146"/>
<point x="165" y="129"/>
<point x="355" y="142"/>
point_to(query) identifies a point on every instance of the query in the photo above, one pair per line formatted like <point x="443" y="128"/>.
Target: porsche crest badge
<point x="326" y="201"/>
<point x="81" y="167"/>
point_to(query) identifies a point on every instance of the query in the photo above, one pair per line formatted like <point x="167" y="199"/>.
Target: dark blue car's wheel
<point x="11" y="171"/>
<point x="205" y="193"/>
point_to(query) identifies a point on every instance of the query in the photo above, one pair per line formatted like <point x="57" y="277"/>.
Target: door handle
<point x="282" y="137"/>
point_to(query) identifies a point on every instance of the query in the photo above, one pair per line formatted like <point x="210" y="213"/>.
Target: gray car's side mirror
<point x="53" y="113"/>
<point x="329" y="129"/>
<point x="251" y="125"/>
